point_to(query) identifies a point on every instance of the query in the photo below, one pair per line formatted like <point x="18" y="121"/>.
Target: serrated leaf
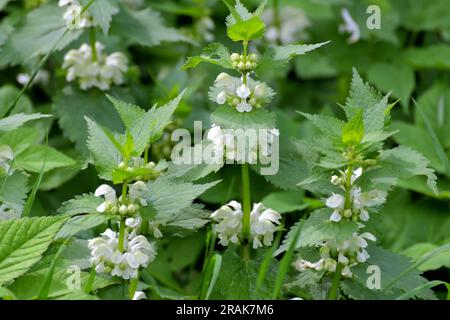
<point x="102" y="12"/>
<point x="22" y="243"/>
<point x="129" y="113"/>
<point x="406" y="163"/>
<point x="353" y="130"/>
<point x="13" y="191"/>
<point x="144" y="27"/>
<point x="247" y="30"/>
<point x="81" y="223"/>
<point x="16" y="120"/>
<point x="329" y="126"/>
<point x="214" y="53"/>
<point x="86" y="203"/>
<point x="33" y="157"/>
<point x="44" y="27"/>
<point x="420" y="250"/>
<point x="104" y="152"/>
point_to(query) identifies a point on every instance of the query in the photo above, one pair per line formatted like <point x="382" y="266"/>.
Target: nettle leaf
<point x="318" y="228"/>
<point x="22" y="243"/>
<point x="129" y="113"/>
<point x="191" y="172"/>
<point x="13" y="190"/>
<point x="214" y="53"/>
<point x="43" y="28"/>
<point x="239" y="12"/>
<point x="279" y="56"/>
<point x="168" y="197"/>
<point x="405" y="163"/>
<point x="391" y="265"/>
<point x="185" y="221"/>
<point x="29" y="285"/>
<point x="32" y="159"/>
<point x="237" y="278"/>
<point x="102" y="12"/>
<point x="86" y="203"/>
<point x="144" y="27"/>
<point x="230" y="118"/>
<point x="81" y="223"/>
<point x="16" y="120"/>
<point x="247" y="30"/>
<point x="330" y="126"/>
<point x="105" y="153"/>
<point x="73" y="105"/>
<point x="20" y="139"/>
<point x="353" y="130"/>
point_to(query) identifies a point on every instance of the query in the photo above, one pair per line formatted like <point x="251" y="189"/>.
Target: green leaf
<point x="398" y="78"/>
<point x="8" y="94"/>
<point x="13" y="191"/>
<point x="406" y="163"/>
<point x="432" y="57"/>
<point x="353" y="130"/>
<point x="86" y="203"/>
<point x="43" y="28"/>
<point x="238" y="277"/>
<point x="150" y="127"/>
<point x="229" y="118"/>
<point x="102" y="12"/>
<point x="81" y="223"/>
<point x="247" y="30"/>
<point x="104" y="152"/>
<point x="420" y="250"/>
<point x="285" y="201"/>
<point x="214" y="53"/>
<point x="71" y="107"/>
<point x="129" y="113"/>
<point x="16" y="120"/>
<point x="20" y="139"/>
<point x="330" y="126"/>
<point x="22" y="243"/>
<point x="32" y="159"/>
<point x="144" y="27"/>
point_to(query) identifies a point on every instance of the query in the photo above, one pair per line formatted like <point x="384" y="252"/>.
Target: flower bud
<point x="123" y="210"/>
<point x="335" y="180"/>
<point x="122" y="165"/>
<point x="223" y="77"/>
<point x="253" y="57"/>
<point x="241" y="65"/>
<point x="248" y="65"/>
<point x="113" y="209"/>
<point x="235" y="57"/>
<point x="347" y="213"/>
<point x="132" y="208"/>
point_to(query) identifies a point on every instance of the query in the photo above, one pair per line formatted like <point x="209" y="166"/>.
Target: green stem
<point x="146" y="155"/>
<point x="244" y="74"/>
<point x="133" y="286"/>
<point x="348" y="188"/>
<point x="93" y="40"/>
<point x="121" y="235"/>
<point x="332" y="294"/>
<point x="277" y="20"/>
<point x="90" y="282"/>
<point x="246" y="201"/>
<point x="124" y="193"/>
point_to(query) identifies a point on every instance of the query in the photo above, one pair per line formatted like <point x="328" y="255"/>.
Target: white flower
<point x="106" y="257"/>
<point x="355" y="175"/>
<point x="6" y="158"/>
<point x="229" y="226"/>
<point x="264" y="223"/>
<point x="243" y="91"/>
<point x="139" y="295"/>
<point x="336" y="202"/>
<point x="364" y="215"/>
<point x="154" y="229"/>
<point x="8" y="213"/>
<point x="350" y="26"/>
<point x="76" y="18"/>
<point x="137" y="192"/>
<point x="221" y="98"/>
<point x="110" y="197"/>
<point x="101" y="73"/>
<point x="244" y="107"/>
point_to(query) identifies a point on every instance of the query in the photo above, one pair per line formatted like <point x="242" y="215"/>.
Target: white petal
<point x="336" y="217"/>
<point x="335" y="201"/>
<point x="243" y="92"/>
<point x="139" y="295"/>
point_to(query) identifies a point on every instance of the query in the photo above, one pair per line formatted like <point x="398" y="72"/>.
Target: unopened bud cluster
<point x="244" y="64"/>
<point x="136" y="166"/>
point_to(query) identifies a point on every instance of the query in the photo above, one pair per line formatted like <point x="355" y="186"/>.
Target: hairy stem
<point x="120" y="245"/>
<point x="332" y="294"/>
<point x="348" y="188"/>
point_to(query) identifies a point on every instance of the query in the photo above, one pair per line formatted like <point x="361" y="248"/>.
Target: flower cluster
<point x="134" y="225"/>
<point x="292" y="28"/>
<point x="359" y="201"/>
<point x="74" y="16"/>
<point x="99" y="70"/>
<point x="242" y="63"/>
<point x="6" y="158"/>
<point x="242" y="96"/>
<point x="227" y="143"/>
<point x="146" y="171"/>
<point x="114" y="205"/>
<point x="348" y="253"/>
<point x="107" y="257"/>
<point x="263" y="221"/>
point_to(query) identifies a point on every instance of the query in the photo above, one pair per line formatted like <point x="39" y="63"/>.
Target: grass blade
<point x="414" y="292"/>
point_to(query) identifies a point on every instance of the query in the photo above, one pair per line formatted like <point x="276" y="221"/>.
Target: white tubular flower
<point x="243" y="91"/>
<point x="102" y="73"/>
<point x="244" y="107"/>
<point x="154" y="229"/>
<point x="137" y="192"/>
<point x="139" y="295"/>
<point x="8" y="213"/>
<point x="350" y="26"/>
<point x="110" y="198"/>
<point x="106" y="257"/>
<point x="224" y="142"/>
<point x="6" y="157"/>
<point x="372" y="198"/>
<point x="229" y="226"/>
<point x="221" y="98"/>
<point x="264" y="223"/>
<point x="336" y="202"/>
